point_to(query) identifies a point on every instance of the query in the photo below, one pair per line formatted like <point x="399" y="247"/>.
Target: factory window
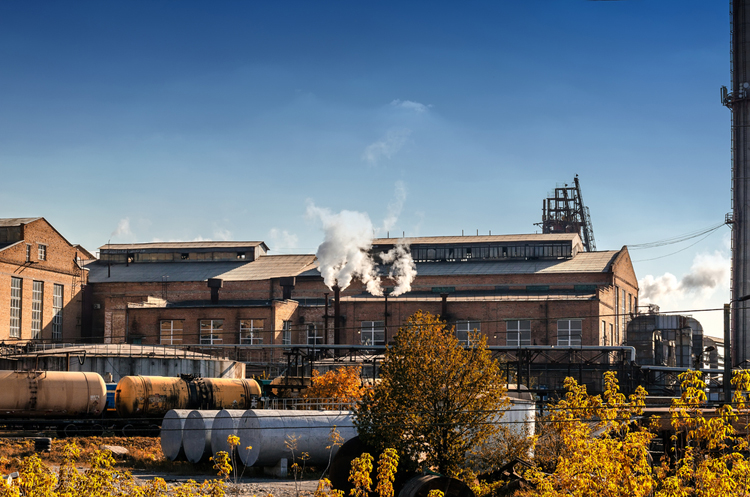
<point x="611" y="334"/>
<point x="519" y="333"/>
<point x="569" y="332"/>
<point x="15" y="307"/>
<point x="42" y="252"/>
<point x="251" y="331"/>
<point x="57" y="312"/>
<point x="464" y="328"/>
<point x="286" y="333"/>
<point x="37" y="296"/>
<point x="28" y="252"/>
<point x="185" y="256"/>
<point x="604" y="333"/>
<point x="372" y="333"/>
<point x="241" y="255"/>
<point x="170" y="332"/>
<point x="313" y="337"/>
<point x="212" y="331"/>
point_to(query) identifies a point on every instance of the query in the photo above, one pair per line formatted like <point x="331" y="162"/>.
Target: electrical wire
<point x="677" y="239"/>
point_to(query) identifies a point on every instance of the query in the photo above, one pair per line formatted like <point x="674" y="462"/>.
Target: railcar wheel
<point x="70" y="430"/>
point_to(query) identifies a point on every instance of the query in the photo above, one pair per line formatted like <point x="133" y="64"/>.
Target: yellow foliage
<point x="436" y="401"/>
<point x="339" y="386"/>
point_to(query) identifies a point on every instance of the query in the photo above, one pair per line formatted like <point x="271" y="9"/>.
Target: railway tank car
<point x="154" y="396"/>
<point x="51" y="394"/>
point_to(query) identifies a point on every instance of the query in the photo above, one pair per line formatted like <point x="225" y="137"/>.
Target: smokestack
<point x="444" y="306"/>
<point x="287" y="285"/>
<point x="336" y="315"/>
<point x="326" y="317"/>
<point x="214" y="284"/>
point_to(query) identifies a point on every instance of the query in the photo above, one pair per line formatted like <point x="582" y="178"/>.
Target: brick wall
<point x="59" y="268"/>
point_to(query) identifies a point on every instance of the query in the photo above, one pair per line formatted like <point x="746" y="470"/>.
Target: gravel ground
<point x="245" y="486"/>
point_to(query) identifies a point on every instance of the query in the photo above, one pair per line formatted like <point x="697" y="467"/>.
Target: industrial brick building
<point x="41" y="283"/>
<point x="536" y="289"/>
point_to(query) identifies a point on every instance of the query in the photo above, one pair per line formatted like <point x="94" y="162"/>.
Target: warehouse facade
<point x="536" y="289"/>
<point x="41" y="283"/>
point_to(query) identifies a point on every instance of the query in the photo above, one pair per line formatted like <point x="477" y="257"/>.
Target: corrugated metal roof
<point x="16" y="221"/>
<point x="532" y="237"/>
<point x="584" y="262"/>
<point x="269" y="266"/>
<point x="178" y="245"/>
<point x="473" y="298"/>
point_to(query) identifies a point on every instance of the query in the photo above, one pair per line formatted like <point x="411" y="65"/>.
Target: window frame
<point x="252" y="334"/>
<point x="16" y="307"/>
<point x="42" y="251"/>
<point x="565" y="335"/>
<point x="58" y="302"/>
<point x="286" y="332"/>
<point x="516" y="335"/>
<point x="173" y="338"/>
<point x="37" y="308"/>
<point x="370" y="331"/>
<point x="466" y="326"/>
<point x="317" y="339"/>
<point x="215" y="333"/>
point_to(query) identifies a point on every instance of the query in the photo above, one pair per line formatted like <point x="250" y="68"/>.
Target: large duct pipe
<point x="271" y="435"/>
<point x="196" y="435"/>
<point x="171" y="434"/>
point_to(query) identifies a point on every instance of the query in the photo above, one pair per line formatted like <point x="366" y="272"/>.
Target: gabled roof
<point x="181" y="245"/>
<point x="265" y="267"/>
<point x="531" y="237"/>
<point x="16" y="221"/>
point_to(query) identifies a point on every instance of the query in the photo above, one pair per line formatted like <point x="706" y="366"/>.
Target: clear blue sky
<point x="142" y="121"/>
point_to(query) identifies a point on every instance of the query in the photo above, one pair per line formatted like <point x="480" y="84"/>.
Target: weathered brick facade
<point x="31" y="250"/>
<point x="598" y="291"/>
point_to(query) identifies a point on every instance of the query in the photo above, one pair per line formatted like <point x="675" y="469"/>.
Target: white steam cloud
<point x="708" y="272"/>
<point x="411" y="105"/>
<point x="387" y="146"/>
<point x="123" y="228"/>
<point x="282" y="239"/>
<point x="345" y="251"/>
<point x="403" y="269"/>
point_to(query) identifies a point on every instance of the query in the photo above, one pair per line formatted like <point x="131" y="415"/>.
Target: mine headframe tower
<point x="564" y="212"/>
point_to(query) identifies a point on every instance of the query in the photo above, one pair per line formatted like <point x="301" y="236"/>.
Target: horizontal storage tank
<point x="171" y="434"/>
<point x="196" y="435"/>
<point x="267" y="432"/>
<point x="154" y="396"/>
<point x="226" y="423"/>
<point x="51" y="394"/>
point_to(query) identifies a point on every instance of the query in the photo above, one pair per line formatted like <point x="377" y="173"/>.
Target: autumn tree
<point x="337" y="386"/>
<point x="711" y="458"/>
<point x="601" y="451"/>
<point x="436" y="399"/>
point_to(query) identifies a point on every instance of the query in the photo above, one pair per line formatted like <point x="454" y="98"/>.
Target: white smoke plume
<point x="708" y="272"/>
<point x="403" y="269"/>
<point x="123" y="228"/>
<point x="345" y="252"/>
<point x="395" y="206"/>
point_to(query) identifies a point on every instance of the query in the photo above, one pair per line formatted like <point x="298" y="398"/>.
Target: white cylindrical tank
<point x="171" y="434"/>
<point x="226" y="423"/>
<point x="196" y="435"/>
<point x="271" y="433"/>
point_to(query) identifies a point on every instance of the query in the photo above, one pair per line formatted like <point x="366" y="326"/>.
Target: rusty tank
<point x="51" y="394"/>
<point x="154" y="396"/>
